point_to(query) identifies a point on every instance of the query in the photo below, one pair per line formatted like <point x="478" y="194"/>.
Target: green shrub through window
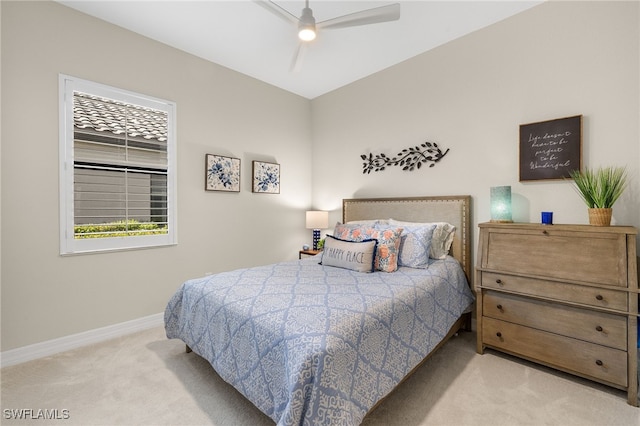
<point x="118" y="229"/>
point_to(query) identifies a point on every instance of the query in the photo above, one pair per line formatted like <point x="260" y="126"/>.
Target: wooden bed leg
<point x="188" y="349"/>
<point x="467" y="322"/>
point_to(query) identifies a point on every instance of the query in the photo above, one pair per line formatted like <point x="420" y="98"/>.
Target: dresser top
<point x="561" y="227"/>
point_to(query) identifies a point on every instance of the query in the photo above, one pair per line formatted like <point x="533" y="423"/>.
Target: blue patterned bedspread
<point x="310" y="344"/>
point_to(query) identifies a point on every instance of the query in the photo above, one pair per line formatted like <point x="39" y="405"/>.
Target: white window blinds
<point x="120" y="167"/>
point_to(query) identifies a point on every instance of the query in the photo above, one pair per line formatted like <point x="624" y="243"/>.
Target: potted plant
<point x="600" y="189"/>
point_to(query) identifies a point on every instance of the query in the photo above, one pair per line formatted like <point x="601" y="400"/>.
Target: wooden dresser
<point x="565" y="296"/>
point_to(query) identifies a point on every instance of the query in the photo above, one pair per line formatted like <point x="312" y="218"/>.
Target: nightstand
<point x="308" y="253"/>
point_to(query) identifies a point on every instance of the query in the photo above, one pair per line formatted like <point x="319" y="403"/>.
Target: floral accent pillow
<point x="415" y="245"/>
<point x="388" y="242"/>
<point x="370" y="222"/>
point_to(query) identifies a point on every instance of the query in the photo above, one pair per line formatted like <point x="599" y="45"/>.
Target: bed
<point x="309" y="342"/>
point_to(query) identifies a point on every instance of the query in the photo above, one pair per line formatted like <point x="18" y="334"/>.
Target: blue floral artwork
<point x="266" y="177"/>
<point x="223" y="173"/>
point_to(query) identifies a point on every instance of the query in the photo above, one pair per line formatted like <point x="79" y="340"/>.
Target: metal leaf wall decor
<point x="409" y="159"/>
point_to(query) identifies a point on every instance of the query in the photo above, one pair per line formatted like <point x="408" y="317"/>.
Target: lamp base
<point x="500" y="221"/>
<point x="316" y="238"/>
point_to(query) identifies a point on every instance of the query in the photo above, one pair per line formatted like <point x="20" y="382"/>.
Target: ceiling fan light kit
<point x="307" y="29"/>
<point x="307" y="25"/>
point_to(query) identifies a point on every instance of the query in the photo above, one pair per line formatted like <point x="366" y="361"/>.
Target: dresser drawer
<point x="593" y="296"/>
<point x="555" y="254"/>
<point x="591" y="326"/>
<point x="573" y="355"/>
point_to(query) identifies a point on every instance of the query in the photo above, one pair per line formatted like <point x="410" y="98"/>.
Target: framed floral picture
<point x="266" y="177"/>
<point x="222" y="173"/>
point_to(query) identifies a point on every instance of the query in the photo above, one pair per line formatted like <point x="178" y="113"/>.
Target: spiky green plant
<point x="602" y="187"/>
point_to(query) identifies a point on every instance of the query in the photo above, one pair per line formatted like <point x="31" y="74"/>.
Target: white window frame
<point x="71" y="245"/>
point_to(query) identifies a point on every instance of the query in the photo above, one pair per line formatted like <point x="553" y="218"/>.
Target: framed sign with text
<point x="550" y="149"/>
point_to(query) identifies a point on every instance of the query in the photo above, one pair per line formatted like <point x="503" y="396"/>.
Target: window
<point x="117" y="169"/>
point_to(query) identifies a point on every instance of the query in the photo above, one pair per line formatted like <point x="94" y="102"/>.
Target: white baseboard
<point x="51" y="347"/>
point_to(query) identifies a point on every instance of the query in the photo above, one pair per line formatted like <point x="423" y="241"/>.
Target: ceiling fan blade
<point x="370" y="16"/>
<point x="298" y="57"/>
<point x="278" y="11"/>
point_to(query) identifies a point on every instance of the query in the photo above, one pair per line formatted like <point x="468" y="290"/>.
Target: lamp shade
<point x="501" y="204"/>
<point x="317" y="219"/>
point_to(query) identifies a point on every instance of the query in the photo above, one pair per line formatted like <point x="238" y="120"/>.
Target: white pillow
<point x="442" y="236"/>
<point x="355" y="255"/>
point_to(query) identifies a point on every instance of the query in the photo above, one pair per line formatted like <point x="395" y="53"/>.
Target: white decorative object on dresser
<point x="565" y="296"/>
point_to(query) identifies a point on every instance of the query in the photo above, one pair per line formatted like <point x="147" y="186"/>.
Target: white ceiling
<point x="247" y="38"/>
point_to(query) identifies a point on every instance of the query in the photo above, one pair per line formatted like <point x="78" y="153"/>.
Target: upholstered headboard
<point x="455" y="209"/>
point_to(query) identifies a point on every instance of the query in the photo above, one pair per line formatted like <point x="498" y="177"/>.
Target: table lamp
<point x="501" y="204"/>
<point x="317" y="220"/>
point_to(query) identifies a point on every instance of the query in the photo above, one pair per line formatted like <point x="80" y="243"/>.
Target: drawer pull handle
<point x="598" y="362"/>
<point x="499" y="307"/>
<point x="598" y="328"/>
<point x="545" y="232"/>
<point x="599" y="297"/>
<point x="499" y="334"/>
<point x="499" y="281"/>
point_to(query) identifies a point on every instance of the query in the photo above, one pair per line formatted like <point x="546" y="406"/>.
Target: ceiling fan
<point x="307" y="26"/>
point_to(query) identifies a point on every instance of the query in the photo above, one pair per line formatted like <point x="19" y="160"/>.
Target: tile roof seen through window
<point x="117" y="118"/>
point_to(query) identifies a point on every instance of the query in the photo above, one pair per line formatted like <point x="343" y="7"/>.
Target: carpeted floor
<point x="145" y="379"/>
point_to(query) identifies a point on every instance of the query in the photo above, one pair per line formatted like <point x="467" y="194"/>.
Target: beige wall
<point x="555" y="60"/>
<point x="219" y="111"/>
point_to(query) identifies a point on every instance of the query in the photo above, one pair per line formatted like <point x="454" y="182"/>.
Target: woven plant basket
<point x="600" y="217"/>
